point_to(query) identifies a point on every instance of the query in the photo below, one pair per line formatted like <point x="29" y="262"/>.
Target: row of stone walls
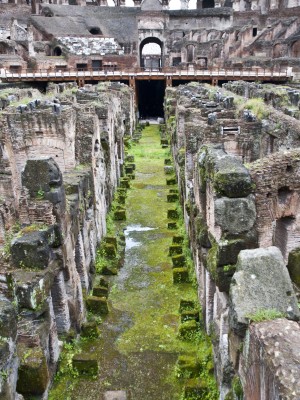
<point x="233" y="232"/>
<point x="64" y="156"/>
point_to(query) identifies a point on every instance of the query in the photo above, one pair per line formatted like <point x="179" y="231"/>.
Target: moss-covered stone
<point x="195" y="388"/>
<point x="84" y="363"/>
<point x="33" y="374"/>
<point x="103" y="282"/>
<point x="175" y="249"/>
<point x="186" y="305"/>
<point x="109" y="250"/>
<point x="177" y="239"/>
<point x="173" y="214"/>
<point x="179" y="260"/>
<point x="131" y="165"/>
<point x="111" y="240"/>
<point x="172" y="197"/>
<point x="180" y="275"/>
<point x="129" y="158"/>
<point x="97" y="305"/>
<point x="109" y="270"/>
<point x="129" y="169"/>
<point x="294" y="266"/>
<point x="189" y="315"/>
<point x="125" y="183"/>
<point x="188" y="330"/>
<point x="90" y="329"/>
<point x="188" y="366"/>
<point x="120" y="214"/>
<point x="100" y="291"/>
<point x="201" y="232"/>
<point x="172" y="225"/>
<point x="171" y="181"/>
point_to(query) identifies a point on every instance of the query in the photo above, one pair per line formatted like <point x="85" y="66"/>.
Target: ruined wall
<point x="241" y="199"/>
<point x="61" y="162"/>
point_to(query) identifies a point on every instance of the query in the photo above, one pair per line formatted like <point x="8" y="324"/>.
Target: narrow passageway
<point x="139" y="343"/>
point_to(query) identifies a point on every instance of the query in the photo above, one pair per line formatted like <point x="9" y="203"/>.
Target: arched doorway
<point x="151" y="50"/>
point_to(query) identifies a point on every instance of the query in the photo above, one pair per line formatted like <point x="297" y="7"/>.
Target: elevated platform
<point x="168" y="74"/>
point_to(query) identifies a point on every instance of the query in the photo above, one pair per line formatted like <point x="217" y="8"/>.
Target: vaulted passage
<point x="151" y="98"/>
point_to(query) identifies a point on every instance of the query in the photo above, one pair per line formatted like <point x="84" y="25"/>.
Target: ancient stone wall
<point x="241" y="199"/>
<point x="62" y="161"/>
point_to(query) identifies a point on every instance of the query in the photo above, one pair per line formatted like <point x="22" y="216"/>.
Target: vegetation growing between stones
<point x="147" y="293"/>
<point x="265" y="315"/>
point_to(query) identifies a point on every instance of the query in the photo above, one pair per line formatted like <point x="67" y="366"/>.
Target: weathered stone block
<point x="173" y="214"/>
<point x="31" y="250"/>
<point x="125" y="183"/>
<point x="8" y="319"/>
<point x="97" y="305"/>
<point x="188" y="330"/>
<point x="103" y="282"/>
<point x="294" y="266"/>
<point x="131" y="165"/>
<point x="180" y="275"/>
<point x="169" y="169"/>
<point x="195" y="388"/>
<point x="257" y="269"/>
<point x="90" y="329"/>
<point x="109" y="250"/>
<point x="33" y="374"/>
<point x="186" y="305"/>
<point x="190" y="315"/>
<point x="171" y="181"/>
<point x="188" y="366"/>
<point x="129" y="158"/>
<point x="235" y="215"/>
<point x="178" y="260"/>
<point x="172" y="225"/>
<point x="175" y="249"/>
<point x="40" y="176"/>
<point x="100" y="291"/>
<point x="172" y="198"/>
<point x="85" y="364"/>
<point x="109" y="270"/>
<point x="177" y="239"/>
<point x="120" y="215"/>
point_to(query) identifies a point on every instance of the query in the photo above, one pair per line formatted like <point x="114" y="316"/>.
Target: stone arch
<point x="57" y="51"/>
<point x="295" y="49"/>
<point x="278" y="50"/>
<point x="190" y="53"/>
<point x="157" y="59"/>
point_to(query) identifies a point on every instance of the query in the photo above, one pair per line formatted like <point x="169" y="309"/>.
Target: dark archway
<point x="151" y="98"/>
<point x="208" y="4"/>
<point x="57" y="51"/>
<point x="95" y="31"/>
<point x="152" y="60"/>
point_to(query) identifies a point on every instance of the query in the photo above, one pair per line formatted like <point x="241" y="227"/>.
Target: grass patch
<point x="265" y="315"/>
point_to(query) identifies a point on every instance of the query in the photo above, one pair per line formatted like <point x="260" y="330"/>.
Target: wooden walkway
<point x="131" y="75"/>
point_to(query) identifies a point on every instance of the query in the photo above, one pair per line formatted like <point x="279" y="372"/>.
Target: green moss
<point x="237" y="387"/>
